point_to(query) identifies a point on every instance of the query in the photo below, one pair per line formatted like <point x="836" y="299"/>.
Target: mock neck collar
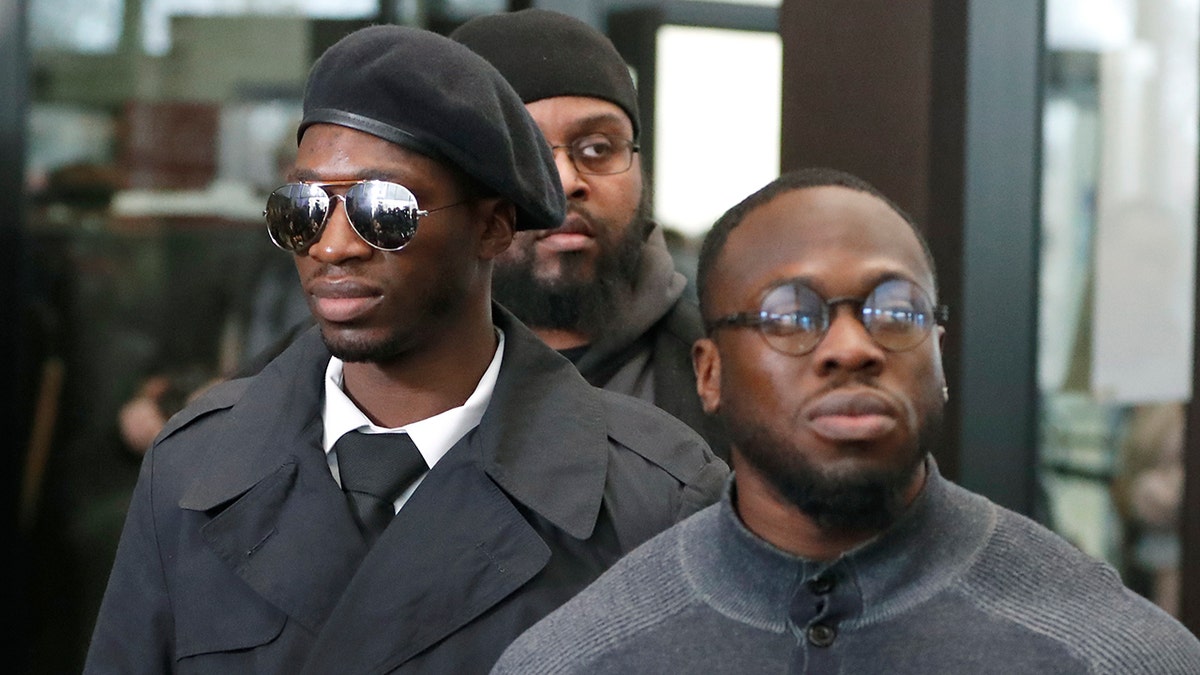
<point x="925" y="550"/>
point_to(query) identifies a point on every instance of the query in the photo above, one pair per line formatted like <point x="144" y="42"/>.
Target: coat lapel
<point x="544" y="437"/>
<point x="457" y="548"/>
<point x="280" y="522"/>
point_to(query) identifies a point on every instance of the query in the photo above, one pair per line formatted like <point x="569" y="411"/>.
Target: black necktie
<point x="375" y="469"/>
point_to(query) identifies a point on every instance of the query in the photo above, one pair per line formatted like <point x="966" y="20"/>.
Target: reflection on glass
<point x="1119" y="198"/>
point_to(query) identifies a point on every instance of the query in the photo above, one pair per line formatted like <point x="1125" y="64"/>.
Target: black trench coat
<point x="239" y="553"/>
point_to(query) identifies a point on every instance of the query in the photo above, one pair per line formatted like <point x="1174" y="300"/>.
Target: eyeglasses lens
<point x="295" y="214"/>
<point x="602" y="155"/>
<point x="898" y="315"/>
<point x="794" y="318"/>
<point x="384" y="214"/>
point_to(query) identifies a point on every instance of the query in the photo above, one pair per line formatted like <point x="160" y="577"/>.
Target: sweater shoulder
<point x="641" y="592"/>
<point x="1030" y="576"/>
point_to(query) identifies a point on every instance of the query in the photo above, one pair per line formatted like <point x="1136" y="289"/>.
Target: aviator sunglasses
<point x="383" y="214"/>
<point x="793" y="318"/>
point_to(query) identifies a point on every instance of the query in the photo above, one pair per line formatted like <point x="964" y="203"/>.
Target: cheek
<point x="304" y="266"/>
<point x="925" y="390"/>
<point x="762" y="382"/>
<point x="621" y="196"/>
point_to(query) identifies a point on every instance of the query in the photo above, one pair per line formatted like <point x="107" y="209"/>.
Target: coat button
<point x="822" y="584"/>
<point x="821" y="635"/>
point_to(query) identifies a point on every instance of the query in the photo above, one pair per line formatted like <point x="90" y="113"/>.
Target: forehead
<point x="329" y="152"/>
<point x="570" y="116"/>
<point x="841" y="241"/>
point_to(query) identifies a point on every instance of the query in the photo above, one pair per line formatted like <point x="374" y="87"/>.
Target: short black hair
<point x="800" y="179"/>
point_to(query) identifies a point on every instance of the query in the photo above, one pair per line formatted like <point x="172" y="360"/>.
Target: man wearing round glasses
<point x="838" y="547"/>
<point x="419" y="478"/>
<point x="601" y="288"/>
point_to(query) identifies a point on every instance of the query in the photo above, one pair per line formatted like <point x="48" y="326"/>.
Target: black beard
<point x="573" y="301"/>
<point x="867" y="500"/>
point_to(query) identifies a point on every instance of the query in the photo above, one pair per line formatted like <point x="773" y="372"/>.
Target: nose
<point x="847" y="346"/>
<point x="573" y="182"/>
<point x="338" y="241"/>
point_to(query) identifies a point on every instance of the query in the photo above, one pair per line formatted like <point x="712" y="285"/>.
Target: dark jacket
<point x="239" y="552"/>
<point x="647" y="349"/>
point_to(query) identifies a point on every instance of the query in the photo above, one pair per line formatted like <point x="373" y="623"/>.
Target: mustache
<point x="854" y="390"/>
<point x="577" y="221"/>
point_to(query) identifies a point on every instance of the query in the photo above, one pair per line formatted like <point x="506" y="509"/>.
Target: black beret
<point x="431" y="95"/>
<point x="544" y="54"/>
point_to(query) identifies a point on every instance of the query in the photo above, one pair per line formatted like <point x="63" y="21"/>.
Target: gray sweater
<point x="959" y="585"/>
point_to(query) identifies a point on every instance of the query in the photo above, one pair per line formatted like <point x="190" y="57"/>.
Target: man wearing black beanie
<point x="418" y="478"/>
<point x="601" y="288"/>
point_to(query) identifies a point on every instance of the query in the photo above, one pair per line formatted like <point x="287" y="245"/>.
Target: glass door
<point x="1117" y="279"/>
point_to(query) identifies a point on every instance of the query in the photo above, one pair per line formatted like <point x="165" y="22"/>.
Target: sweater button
<point x="822" y="584"/>
<point x="821" y="635"/>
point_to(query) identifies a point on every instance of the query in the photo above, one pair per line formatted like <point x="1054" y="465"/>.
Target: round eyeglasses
<point x="793" y="318"/>
<point x="383" y="214"/>
<point x="600" y="154"/>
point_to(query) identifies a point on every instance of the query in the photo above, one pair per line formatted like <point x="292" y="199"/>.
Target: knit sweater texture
<point x="958" y="585"/>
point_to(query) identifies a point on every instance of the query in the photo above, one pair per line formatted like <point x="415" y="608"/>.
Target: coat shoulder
<point x="219" y="397"/>
<point x="664" y="441"/>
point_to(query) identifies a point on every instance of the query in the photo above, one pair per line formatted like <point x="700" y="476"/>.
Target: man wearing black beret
<point x="601" y="288"/>
<point x="417" y="479"/>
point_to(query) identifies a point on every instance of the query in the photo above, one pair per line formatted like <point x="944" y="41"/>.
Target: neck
<point x="561" y="338"/>
<point x="425" y="381"/>
<point x="767" y="514"/>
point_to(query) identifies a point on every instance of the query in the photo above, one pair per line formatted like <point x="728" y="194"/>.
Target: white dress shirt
<point x="433" y="436"/>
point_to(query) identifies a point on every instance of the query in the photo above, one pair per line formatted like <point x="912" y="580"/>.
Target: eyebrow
<point x="873" y="281"/>
<point x="589" y="124"/>
<point x="310" y="176"/>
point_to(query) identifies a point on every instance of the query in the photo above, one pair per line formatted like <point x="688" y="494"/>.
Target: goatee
<point x="575" y="300"/>
<point x="861" y="500"/>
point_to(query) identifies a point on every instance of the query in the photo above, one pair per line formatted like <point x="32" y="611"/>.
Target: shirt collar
<point x="433" y="436"/>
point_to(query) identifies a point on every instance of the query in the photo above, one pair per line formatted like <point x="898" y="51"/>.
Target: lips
<point x="573" y="235"/>
<point x="851" y="415"/>
<point x="343" y="300"/>
<point x="576" y="223"/>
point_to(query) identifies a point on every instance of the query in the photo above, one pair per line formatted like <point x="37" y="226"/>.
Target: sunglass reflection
<point x="383" y="214"/>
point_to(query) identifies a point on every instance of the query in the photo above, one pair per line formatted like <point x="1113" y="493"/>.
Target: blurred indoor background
<point x="1048" y="147"/>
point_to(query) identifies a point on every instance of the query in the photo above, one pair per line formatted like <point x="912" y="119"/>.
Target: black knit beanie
<point x="431" y="95"/>
<point x="545" y="54"/>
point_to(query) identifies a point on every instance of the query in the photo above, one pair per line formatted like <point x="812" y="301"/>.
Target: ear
<point x="706" y="361"/>
<point x="499" y="217"/>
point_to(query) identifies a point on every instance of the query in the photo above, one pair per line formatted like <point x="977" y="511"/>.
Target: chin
<point x="359" y="346"/>
<point x="839" y="486"/>
<point x="567" y="269"/>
